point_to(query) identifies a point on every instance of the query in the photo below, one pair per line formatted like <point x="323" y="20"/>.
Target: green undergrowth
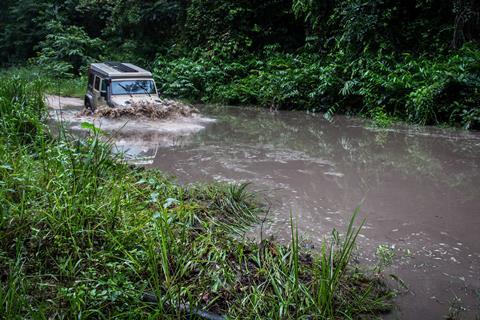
<point x="425" y="90"/>
<point x="84" y="235"/>
<point x="67" y="85"/>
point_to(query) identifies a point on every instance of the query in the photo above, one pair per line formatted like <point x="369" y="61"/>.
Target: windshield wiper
<point x="126" y="90"/>
<point x="145" y="89"/>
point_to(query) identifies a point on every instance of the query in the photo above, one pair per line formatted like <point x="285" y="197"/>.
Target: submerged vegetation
<point x="84" y="235"/>
<point x="414" y="60"/>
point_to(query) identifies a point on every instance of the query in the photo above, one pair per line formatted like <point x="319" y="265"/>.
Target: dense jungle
<point x="413" y="60"/>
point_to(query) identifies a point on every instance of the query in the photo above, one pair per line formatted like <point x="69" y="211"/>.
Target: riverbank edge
<point x="83" y="233"/>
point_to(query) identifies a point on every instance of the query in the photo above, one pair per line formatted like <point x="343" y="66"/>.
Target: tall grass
<point x="84" y="235"/>
<point x="68" y="86"/>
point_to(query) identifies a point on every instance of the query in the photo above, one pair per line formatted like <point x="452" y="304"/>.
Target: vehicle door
<point x="89" y="99"/>
<point x="104" y="91"/>
<point x="99" y="97"/>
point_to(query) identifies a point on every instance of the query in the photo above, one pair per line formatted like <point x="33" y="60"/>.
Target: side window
<point x="104" y="85"/>
<point x="97" y="83"/>
<point x="90" y="80"/>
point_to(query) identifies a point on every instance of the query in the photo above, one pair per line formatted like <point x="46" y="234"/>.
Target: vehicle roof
<point x="114" y="69"/>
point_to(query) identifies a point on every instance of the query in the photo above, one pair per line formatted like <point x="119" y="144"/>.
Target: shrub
<point x="67" y="49"/>
<point x="421" y="90"/>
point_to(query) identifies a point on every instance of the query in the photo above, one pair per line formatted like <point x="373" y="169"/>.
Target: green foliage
<point x="22" y="110"/>
<point x="385" y="255"/>
<point x="380" y="117"/>
<point x="21" y="29"/>
<point x="68" y="87"/>
<point x="409" y="60"/>
<point x="421" y="90"/>
<point x="140" y="29"/>
<point x="219" y="26"/>
<point x="228" y="29"/>
<point x="67" y="50"/>
<point x="280" y="81"/>
<point x="356" y="26"/>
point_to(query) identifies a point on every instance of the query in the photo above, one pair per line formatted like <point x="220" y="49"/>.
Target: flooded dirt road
<point x="418" y="188"/>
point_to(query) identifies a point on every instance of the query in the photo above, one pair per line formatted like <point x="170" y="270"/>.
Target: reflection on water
<point x="419" y="189"/>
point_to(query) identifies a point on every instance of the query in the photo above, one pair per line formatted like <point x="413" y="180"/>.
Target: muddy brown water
<point x="418" y="188"/>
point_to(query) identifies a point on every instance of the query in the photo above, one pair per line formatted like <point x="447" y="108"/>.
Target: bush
<point x="67" y="50"/>
<point x="423" y="90"/>
<point x="420" y="90"/>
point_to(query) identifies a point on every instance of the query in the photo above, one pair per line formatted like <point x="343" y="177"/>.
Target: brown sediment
<point x="165" y="109"/>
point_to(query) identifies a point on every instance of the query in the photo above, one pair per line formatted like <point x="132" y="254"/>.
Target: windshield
<point x="133" y="87"/>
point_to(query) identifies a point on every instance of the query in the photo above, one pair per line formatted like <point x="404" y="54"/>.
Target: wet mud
<point x="417" y="187"/>
<point x="163" y="109"/>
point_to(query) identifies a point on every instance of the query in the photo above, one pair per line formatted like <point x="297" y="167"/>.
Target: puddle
<point x="418" y="188"/>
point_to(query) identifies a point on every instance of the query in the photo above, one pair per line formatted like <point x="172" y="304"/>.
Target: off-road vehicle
<point x="116" y="84"/>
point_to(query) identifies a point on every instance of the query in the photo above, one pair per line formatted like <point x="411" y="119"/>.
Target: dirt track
<point x="57" y="102"/>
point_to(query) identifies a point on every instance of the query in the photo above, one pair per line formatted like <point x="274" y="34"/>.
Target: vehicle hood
<point x="127" y="100"/>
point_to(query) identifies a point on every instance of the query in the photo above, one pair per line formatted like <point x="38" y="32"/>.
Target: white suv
<point x="117" y="84"/>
